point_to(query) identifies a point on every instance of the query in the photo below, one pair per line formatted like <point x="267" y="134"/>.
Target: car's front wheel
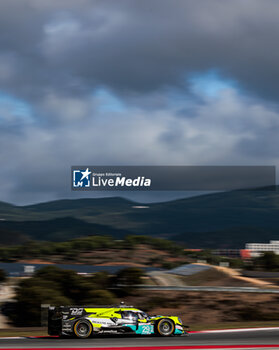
<point x="165" y="327"/>
<point x="82" y="329"/>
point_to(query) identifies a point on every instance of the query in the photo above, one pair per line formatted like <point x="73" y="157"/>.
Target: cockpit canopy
<point x="129" y="315"/>
<point x="143" y="315"/>
<point x="134" y="315"/>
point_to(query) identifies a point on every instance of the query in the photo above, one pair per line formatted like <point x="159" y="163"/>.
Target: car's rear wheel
<point x="83" y="329"/>
<point x="165" y="327"/>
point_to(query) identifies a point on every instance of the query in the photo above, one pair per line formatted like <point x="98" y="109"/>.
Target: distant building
<point x="258" y="249"/>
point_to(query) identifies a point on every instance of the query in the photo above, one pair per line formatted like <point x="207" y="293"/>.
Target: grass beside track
<point x="40" y="331"/>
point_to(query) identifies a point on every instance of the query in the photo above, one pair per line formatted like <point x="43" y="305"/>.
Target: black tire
<point x="83" y="329"/>
<point x="165" y="327"/>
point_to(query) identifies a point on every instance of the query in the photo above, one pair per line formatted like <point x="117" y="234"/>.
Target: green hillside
<point x="215" y="220"/>
<point x="55" y="230"/>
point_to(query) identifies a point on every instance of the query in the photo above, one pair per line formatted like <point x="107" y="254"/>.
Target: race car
<point x="84" y="322"/>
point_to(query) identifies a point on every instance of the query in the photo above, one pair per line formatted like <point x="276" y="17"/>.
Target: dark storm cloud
<point x="36" y="160"/>
<point x="113" y="82"/>
<point x="138" y="45"/>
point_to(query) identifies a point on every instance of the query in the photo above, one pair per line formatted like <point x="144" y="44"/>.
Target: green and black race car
<point x="83" y="321"/>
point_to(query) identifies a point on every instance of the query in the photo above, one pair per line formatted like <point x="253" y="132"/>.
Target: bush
<point x="268" y="262"/>
<point x="29" y="300"/>
<point x="169" y="265"/>
<point x="157" y="301"/>
<point x="55" y="286"/>
<point x="2" y="276"/>
<point x="101" y="280"/>
<point x="126" y="280"/>
<point x="251" y="313"/>
<point x="99" y="297"/>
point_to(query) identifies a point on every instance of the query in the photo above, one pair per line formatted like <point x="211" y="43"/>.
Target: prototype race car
<point x="86" y="321"/>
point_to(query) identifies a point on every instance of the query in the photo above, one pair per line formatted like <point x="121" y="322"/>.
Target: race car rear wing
<point x="55" y="318"/>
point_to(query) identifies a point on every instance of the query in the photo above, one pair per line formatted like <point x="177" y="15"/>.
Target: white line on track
<point x="12" y="338"/>
<point x="238" y="330"/>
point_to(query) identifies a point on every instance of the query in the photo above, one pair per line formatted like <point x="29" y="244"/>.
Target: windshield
<point x="143" y="315"/>
<point x="129" y="315"/>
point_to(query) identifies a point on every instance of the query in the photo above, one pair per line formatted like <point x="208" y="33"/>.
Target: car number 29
<point x="146" y="329"/>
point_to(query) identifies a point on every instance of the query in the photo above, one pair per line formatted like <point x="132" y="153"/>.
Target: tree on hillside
<point x="126" y="280"/>
<point x="268" y="262"/>
<point x="55" y="286"/>
<point x="29" y="301"/>
<point x="2" y="276"/>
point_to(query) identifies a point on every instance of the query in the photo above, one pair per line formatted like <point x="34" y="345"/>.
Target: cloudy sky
<point x="133" y="82"/>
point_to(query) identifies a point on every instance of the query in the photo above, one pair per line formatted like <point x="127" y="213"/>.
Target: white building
<point x="257" y="249"/>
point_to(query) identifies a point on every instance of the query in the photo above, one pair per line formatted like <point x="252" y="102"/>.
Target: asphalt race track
<point x="237" y="340"/>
